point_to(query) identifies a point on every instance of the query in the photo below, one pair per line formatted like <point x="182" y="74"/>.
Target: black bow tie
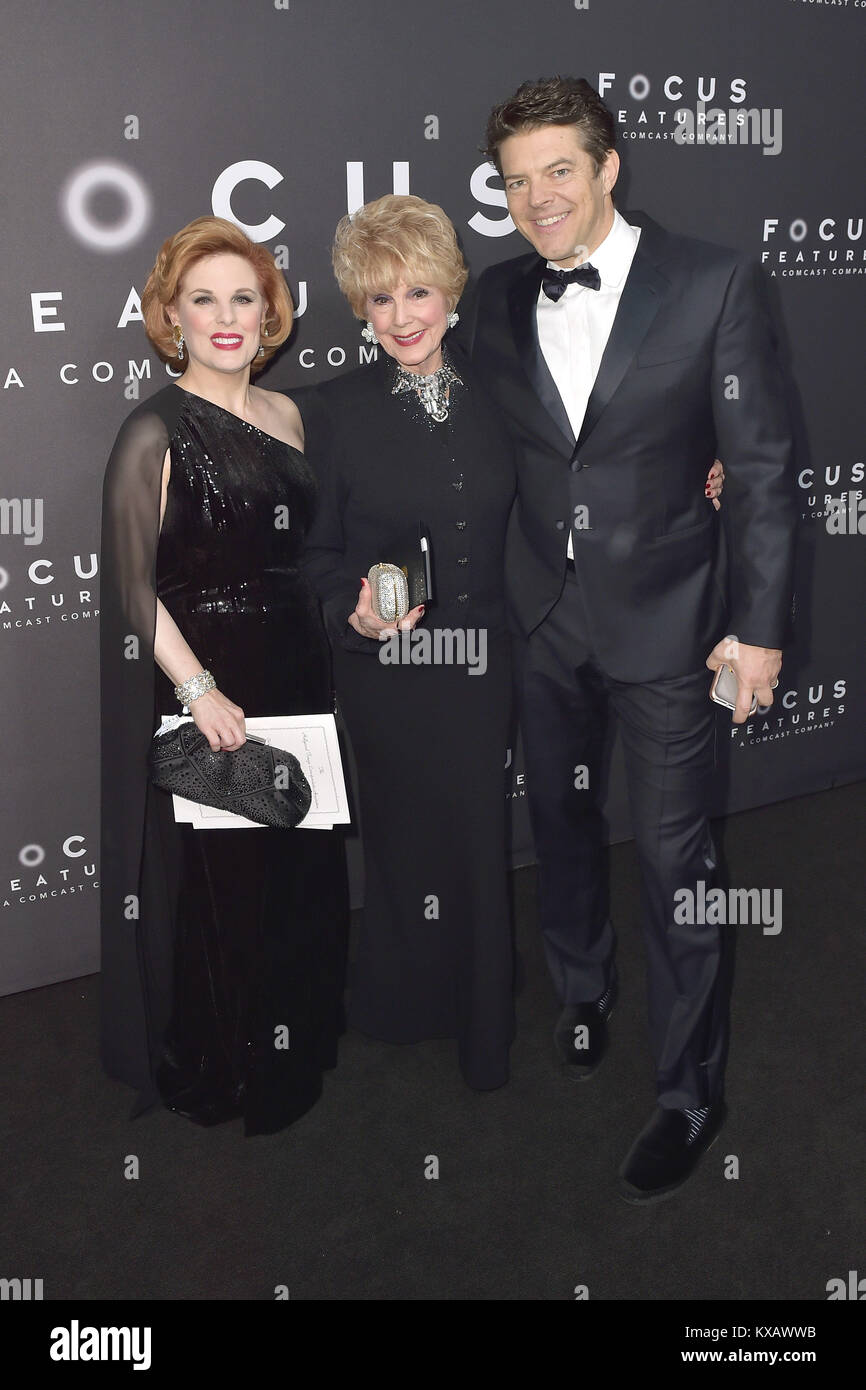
<point x="556" y="282"/>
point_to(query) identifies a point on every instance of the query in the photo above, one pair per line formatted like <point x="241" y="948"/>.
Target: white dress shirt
<point x="573" y="330"/>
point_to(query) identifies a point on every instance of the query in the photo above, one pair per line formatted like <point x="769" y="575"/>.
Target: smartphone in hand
<point x="725" y="688"/>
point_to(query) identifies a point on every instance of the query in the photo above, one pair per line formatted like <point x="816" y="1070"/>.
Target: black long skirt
<point x="435" y="955"/>
<point x="261" y="917"/>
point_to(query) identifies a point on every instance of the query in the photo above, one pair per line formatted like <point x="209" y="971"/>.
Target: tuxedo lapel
<point x="522" y="301"/>
<point x="639" y="303"/>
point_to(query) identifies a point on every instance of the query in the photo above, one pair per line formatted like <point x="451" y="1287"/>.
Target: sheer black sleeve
<point x="130" y="537"/>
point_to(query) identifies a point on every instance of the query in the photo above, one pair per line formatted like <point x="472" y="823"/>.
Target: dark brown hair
<point x="553" y="101"/>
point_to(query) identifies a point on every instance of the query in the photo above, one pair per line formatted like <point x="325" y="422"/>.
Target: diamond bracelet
<point x="195" y="687"/>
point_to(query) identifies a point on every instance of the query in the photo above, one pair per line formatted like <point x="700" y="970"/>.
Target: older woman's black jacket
<point x="382" y="467"/>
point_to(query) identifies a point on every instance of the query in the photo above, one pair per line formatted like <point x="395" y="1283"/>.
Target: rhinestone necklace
<point x="432" y="391"/>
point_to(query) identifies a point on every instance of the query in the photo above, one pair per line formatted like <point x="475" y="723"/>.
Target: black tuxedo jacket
<point x="690" y="373"/>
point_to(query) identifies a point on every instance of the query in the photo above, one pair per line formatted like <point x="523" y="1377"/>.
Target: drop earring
<point x="369" y="333"/>
<point x="177" y="334"/>
<point x="453" y="319"/>
<point x="261" y="351"/>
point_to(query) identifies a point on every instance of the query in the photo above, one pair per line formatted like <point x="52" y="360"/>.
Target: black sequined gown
<point x="259" y="917"/>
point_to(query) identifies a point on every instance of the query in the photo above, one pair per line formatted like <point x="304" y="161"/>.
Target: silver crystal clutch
<point x="390" y="592"/>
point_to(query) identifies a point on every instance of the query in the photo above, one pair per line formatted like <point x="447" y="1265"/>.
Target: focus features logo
<point x="810" y="709"/>
<point x="41" y="877"/>
<point x="701" y="110"/>
<point x="825" y="246"/>
<point x="55" y="597"/>
<point x="841" y="509"/>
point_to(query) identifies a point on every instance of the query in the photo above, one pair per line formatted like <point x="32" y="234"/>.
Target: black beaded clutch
<point x="264" y="784"/>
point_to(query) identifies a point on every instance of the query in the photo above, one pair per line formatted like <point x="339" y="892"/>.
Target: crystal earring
<point x="177" y="334"/>
<point x="453" y="319"/>
<point x="261" y="351"/>
<point x="369" y="333"/>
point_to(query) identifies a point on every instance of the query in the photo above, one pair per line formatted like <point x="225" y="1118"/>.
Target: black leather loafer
<point x="663" y="1157"/>
<point x="581" y="1035"/>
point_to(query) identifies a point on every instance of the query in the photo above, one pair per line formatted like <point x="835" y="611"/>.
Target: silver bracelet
<point x="195" y="687"/>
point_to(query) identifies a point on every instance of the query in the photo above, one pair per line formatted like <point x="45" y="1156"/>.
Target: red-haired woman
<point x="222" y="951"/>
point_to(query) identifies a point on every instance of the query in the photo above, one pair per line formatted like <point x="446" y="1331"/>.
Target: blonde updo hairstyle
<point x="212" y="236"/>
<point x="398" y="238"/>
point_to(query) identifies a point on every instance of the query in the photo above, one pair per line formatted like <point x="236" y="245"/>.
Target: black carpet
<point x="524" y="1206"/>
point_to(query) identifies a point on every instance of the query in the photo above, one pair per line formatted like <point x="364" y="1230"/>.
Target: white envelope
<point x="312" y="738"/>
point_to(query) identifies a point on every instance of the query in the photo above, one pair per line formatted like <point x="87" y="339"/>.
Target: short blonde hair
<point x="393" y="239"/>
<point x="212" y="236"/>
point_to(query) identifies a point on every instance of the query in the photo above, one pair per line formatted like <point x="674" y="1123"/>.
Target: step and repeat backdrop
<point x="739" y="123"/>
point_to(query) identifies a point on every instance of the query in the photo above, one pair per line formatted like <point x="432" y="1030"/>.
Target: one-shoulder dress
<point x="223" y="951"/>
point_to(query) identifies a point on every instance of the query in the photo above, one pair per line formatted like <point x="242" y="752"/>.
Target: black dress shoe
<point x="667" y="1151"/>
<point x="580" y="1036"/>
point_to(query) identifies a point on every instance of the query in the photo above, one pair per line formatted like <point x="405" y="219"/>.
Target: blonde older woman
<point x="412" y="439"/>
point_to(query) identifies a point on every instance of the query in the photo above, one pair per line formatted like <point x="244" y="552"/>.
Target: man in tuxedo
<point x="625" y="358"/>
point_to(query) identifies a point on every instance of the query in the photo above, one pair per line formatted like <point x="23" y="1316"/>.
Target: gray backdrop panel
<point x="148" y="107"/>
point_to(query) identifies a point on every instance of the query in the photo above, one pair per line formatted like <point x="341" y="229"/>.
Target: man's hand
<point x="756" y="668"/>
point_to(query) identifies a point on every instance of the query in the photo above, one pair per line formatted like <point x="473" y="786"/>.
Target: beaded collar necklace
<point x="433" y="391"/>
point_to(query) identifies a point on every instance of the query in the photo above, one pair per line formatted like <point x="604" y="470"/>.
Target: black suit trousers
<point x="668" y="733"/>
